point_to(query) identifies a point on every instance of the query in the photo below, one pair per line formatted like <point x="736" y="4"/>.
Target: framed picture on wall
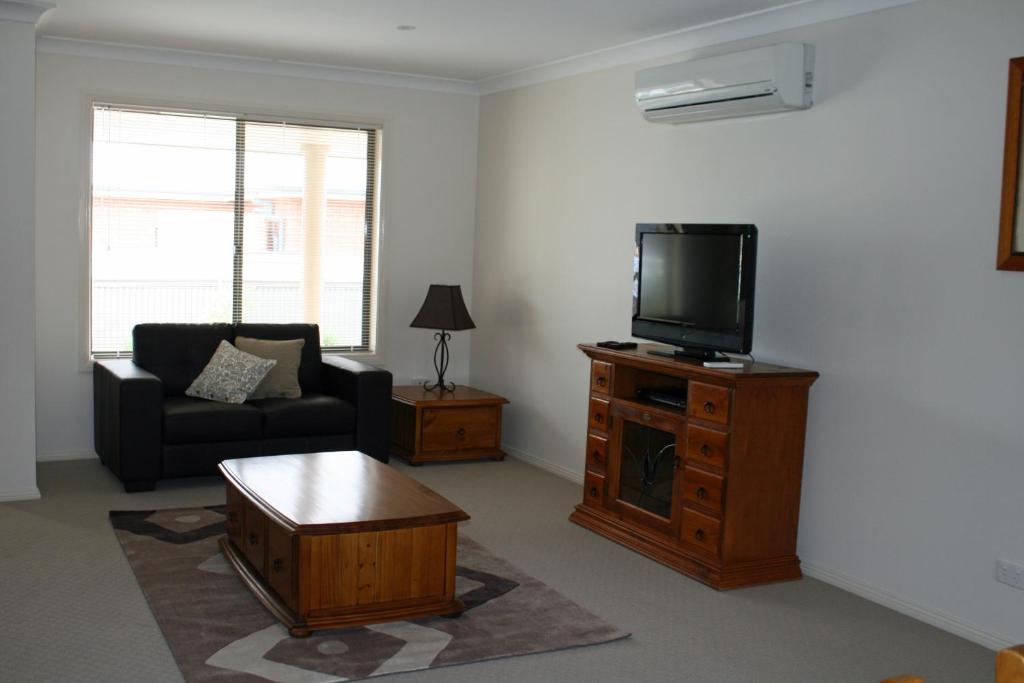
<point x="1011" y="216"/>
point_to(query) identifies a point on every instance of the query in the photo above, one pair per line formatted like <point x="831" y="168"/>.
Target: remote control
<point x="722" y="364"/>
<point x="616" y="345"/>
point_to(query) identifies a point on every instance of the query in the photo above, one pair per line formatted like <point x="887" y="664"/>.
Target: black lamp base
<point x="441" y="358"/>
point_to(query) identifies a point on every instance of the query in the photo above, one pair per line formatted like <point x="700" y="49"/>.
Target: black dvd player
<point x="669" y="396"/>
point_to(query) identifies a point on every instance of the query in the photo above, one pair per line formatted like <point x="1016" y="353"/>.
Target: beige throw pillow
<point x="283" y="380"/>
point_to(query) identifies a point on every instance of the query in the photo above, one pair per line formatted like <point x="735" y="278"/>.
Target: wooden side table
<point x="429" y="426"/>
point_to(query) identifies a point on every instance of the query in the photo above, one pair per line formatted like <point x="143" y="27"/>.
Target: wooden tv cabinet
<point x="711" y="489"/>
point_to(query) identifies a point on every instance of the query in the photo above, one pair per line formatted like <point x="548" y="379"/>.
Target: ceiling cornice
<point x="260" y="65"/>
<point x="773" y="20"/>
<point x="763" y="22"/>
<point x="23" y="12"/>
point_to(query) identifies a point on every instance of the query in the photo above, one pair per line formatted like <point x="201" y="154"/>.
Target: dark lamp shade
<point x="443" y="309"/>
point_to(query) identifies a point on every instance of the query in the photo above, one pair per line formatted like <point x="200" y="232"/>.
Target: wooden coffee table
<point x="330" y="540"/>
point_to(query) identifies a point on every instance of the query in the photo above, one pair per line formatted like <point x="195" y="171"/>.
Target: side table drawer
<point x="600" y="377"/>
<point x="453" y="429"/>
<point x="700" y="532"/>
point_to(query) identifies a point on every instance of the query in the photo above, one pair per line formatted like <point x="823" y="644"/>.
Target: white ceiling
<point x="469" y="40"/>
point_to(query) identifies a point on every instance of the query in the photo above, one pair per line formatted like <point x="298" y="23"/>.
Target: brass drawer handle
<point x="598" y="417"/>
<point x="699" y="534"/>
<point x="601" y="381"/>
<point x="705" y="450"/>
<point x="709" y="407"/>
<point x="278" y="564"/>
<point x="646" y="417"/>
<point x="702" y="493"/>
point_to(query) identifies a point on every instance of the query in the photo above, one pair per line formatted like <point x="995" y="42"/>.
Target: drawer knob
<point x="705" y="450"/>
<point x="702" y="493"/>
<point x="232" y="516"/>
<point x="598" y="417"/>
<point x="647" y="417"/>
<point x="253" y="538"/>
<point x="601" y="381"/>
<point x="699" y="534"/>
<point x="597" y="456"/>
<point x="593" y="492"/>
<point x="709" y="407"/>
<point x="461" y="432"/>
<point x="278" y="564"/>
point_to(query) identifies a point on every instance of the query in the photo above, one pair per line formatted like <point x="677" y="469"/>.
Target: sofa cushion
<point x="311" y="415"/>
<point x="177" y="352"/>
<point x="195" y="420"/>
<point x="309" y="366"/>
<point x="230" y="376"/>
<point x="283" y="379"/>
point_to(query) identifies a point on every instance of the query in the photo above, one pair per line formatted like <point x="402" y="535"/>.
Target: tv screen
<point x="693" y="285"/>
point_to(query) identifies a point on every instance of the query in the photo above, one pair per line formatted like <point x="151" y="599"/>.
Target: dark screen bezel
<point x="691" y="336"/>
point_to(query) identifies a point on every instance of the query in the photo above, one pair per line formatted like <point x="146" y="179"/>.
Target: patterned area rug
<point x="218" y="632"/>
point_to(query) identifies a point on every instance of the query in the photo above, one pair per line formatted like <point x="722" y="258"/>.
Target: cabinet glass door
<point x="647" y="468"/>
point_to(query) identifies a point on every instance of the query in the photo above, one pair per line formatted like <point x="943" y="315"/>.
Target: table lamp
<point x="443" y="309"/>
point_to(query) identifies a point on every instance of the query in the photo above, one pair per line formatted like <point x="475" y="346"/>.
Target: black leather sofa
<point x="147" y="429"/>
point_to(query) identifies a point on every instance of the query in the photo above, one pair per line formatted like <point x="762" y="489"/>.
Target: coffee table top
<point x="337" y="492"/>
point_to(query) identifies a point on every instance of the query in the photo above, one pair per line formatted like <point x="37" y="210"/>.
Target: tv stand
<point x="685" y="353"/>
<point x="711" y="487"/>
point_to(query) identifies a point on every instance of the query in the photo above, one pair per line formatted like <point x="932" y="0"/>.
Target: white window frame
<point x="378" y="123"/>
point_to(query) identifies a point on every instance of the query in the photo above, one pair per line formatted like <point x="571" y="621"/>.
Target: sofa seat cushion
<point x="310" y="415"/>
<point x="196" y="420"/>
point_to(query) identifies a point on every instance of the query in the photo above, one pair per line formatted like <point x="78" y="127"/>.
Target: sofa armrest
<point x="127" y="421"/>
<point x="369" y="389"/>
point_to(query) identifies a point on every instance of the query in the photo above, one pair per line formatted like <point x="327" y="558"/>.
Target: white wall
<point x="17" y="274"/>
<point x="428" y="196"/>
<point x="878" y="213"/>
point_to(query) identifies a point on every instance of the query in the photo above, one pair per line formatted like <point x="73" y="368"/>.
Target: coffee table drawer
<point x="254" y="537"/>
<point x="281" y="563"/>
<point x="453" y="429"/>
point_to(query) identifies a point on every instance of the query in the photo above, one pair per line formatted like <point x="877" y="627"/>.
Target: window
<point x="212" y="218"/>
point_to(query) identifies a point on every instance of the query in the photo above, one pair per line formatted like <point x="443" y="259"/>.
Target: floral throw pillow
<point x="230" y="376"/>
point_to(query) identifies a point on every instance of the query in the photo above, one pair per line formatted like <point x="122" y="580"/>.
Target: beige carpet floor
<point x="70" y="609"/>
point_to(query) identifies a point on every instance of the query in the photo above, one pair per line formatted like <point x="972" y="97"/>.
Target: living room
<point x="520" y="174"/>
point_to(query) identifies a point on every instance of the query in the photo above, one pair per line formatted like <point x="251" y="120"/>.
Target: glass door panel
<point x="647" y="468"/>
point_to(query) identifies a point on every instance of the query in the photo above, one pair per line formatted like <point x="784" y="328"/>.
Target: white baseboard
<point x="19" y="494"/>
<point x="932" y="617"/>
<point x="558" y="470"/>
<point x="57" y="456"/>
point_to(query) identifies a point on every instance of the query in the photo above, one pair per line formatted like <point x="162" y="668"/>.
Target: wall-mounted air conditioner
<point x="759" y="81"/>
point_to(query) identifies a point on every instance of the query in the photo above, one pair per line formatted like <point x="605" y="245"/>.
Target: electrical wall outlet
<point x="1009" y="573"/>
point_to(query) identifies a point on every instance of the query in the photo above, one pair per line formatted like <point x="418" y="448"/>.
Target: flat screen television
<point x="693" y="286"/>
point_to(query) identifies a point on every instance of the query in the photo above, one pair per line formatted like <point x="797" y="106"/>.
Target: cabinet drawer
<point x="702" y="489"/>
<point x="593" y="489"/>
<point x="700" y="532"/>
<point x="598" y="415"/>
<point x="281" y="563"/>
<point x="233" y="516"/>
<point x="600" y="377"/>
<point x="706" y="446"/>
<point x="454" y="429"/>
<point x="597" y="453"/>
<point x="708" y="402"/>
<point x="254" y="537"/>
